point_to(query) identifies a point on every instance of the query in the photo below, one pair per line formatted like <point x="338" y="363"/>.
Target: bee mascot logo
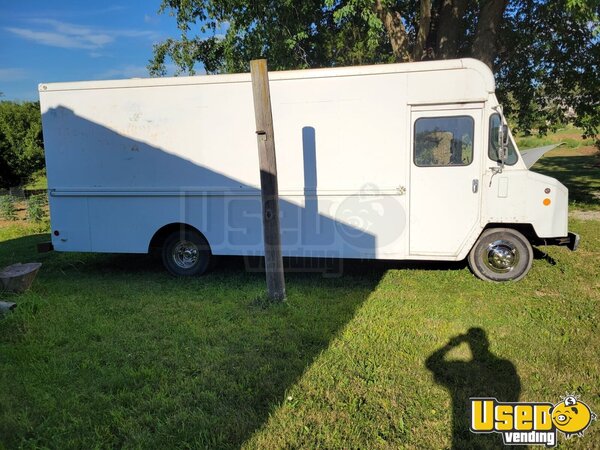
<point x="523" y="423"/>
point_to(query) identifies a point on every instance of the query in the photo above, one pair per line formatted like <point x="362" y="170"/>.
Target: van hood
<point x="530" y="156"/>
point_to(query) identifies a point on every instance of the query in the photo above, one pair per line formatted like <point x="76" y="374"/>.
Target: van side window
<point x="444" y="141"/>
<point x="511" y="157"/>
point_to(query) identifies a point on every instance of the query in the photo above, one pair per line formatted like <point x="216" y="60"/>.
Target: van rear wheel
<point x="186" y="253"/>
<point x="501" y="254"/>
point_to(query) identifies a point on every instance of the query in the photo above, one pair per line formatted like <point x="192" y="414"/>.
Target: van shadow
<point x="228" y="360"/>
<point x="485" y="375"/>
<point x="117" y="327"/>
<point x="172" y="189"/>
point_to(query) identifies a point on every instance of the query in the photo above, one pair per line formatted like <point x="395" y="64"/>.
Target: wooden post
<point x="268" y="179"/>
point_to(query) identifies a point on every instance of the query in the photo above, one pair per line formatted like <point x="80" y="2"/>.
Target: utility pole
<point x="268" y="179"/>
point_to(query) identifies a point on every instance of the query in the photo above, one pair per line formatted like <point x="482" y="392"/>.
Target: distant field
<point x="576" y="164"/>
<point x="569" y="136"/>
<point x="109" y="351"/>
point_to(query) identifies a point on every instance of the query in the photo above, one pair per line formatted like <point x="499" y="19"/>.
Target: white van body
<point x="128" y="158"/>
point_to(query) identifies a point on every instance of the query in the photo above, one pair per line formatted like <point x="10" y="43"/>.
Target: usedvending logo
<point x="531" y="423"/>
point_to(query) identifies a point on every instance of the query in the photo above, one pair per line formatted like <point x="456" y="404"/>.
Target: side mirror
<point x="504" y="135"/>
<point x="502" y="154"/>
<point x="502" y="143"/>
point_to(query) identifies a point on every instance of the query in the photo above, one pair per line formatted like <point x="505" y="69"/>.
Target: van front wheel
<point x="501" y="254"/>
<point x="186" y="253"/>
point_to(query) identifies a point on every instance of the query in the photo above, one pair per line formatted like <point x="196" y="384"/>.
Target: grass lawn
<point x="576" y="163"/>
<point x="110" y="351"/>
<point x="38" y="181"/>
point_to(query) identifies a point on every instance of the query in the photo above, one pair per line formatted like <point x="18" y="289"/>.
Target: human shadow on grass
<point x="485" y="375"/>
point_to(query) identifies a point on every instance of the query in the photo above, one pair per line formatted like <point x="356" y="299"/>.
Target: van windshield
<point x="495" y="124"/>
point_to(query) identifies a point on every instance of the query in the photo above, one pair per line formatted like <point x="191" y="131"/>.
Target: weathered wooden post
<point x="268" y="179"/>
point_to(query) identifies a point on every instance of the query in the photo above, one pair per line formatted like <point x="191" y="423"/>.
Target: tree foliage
<point x="21" y="145"/>
<point x="548" y="63"/>
<point x="545" y="53"/>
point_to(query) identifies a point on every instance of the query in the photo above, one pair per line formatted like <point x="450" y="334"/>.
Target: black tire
<point x="186" y="253"/>
<point x="501" y="254"/>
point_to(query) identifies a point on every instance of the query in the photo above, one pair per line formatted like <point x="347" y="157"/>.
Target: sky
<point x="73" y="40"/>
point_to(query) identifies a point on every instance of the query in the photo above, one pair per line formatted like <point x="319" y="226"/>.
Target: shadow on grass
<point x="485" y="375"/>
<point x="127" y="355"/>
<point x="109" y="350"/>
<point x="24" y="249"/>
<point x="578" y="173"/>
<point x="21" y="249"/>
<point x="540" y="253"/>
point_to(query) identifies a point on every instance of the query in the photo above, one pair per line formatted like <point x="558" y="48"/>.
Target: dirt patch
<point x="585" y="215"/>
<point x="576" y="136"/>
<point x="580" y="151"/>
<point x="21" y="213"/>
<point x="7" y="223"/>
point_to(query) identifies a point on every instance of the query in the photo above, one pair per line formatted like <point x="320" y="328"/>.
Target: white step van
<point x="402" y="161"/>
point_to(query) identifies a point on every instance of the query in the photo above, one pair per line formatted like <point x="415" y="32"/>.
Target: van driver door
<point x="445" y="178"/>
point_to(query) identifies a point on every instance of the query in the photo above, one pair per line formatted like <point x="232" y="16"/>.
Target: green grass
<point x="576" y="164"/>
<point x="109" y="351"/>
<point x="581" y="174"/>
<point x="569" y="136"/>
<point x="38" y="181"/>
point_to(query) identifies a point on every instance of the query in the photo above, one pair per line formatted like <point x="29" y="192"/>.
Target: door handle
<point x="475" y="186"/>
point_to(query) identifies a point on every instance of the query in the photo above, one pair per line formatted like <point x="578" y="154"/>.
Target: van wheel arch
<point x="526" y="229"/>
<point x="180" y="236"/>
<point x="159" y="237"/>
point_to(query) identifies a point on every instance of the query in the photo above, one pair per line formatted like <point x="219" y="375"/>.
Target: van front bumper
<point x="571" y="241"/>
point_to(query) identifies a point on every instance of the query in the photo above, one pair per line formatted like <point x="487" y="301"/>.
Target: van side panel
<point x="127" y="157"/>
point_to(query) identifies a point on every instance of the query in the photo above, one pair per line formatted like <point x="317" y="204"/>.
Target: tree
<point x="545" y="53"/>
<point x="548" y="63"/>
<point x="21" y="146"/>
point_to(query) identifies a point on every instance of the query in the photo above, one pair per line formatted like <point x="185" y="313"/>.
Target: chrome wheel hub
<point x="185" y="254"/>
<point x="501" y="256"/>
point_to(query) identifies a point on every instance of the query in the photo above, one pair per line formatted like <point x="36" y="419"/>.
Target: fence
<point x="20" y="193"/>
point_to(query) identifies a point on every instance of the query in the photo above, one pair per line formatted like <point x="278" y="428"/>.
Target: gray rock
<point x="6" y="307"/>
<point x="19" y="277"/>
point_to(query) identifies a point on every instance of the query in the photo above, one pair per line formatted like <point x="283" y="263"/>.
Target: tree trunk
<point x="392" y="21"/>
<point x="486" y="37"/>
<point x="424" y="26"/>
<point x="451" y="28"/>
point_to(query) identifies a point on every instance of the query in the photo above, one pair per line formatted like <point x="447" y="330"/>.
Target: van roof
<point x="377" y="69"/>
